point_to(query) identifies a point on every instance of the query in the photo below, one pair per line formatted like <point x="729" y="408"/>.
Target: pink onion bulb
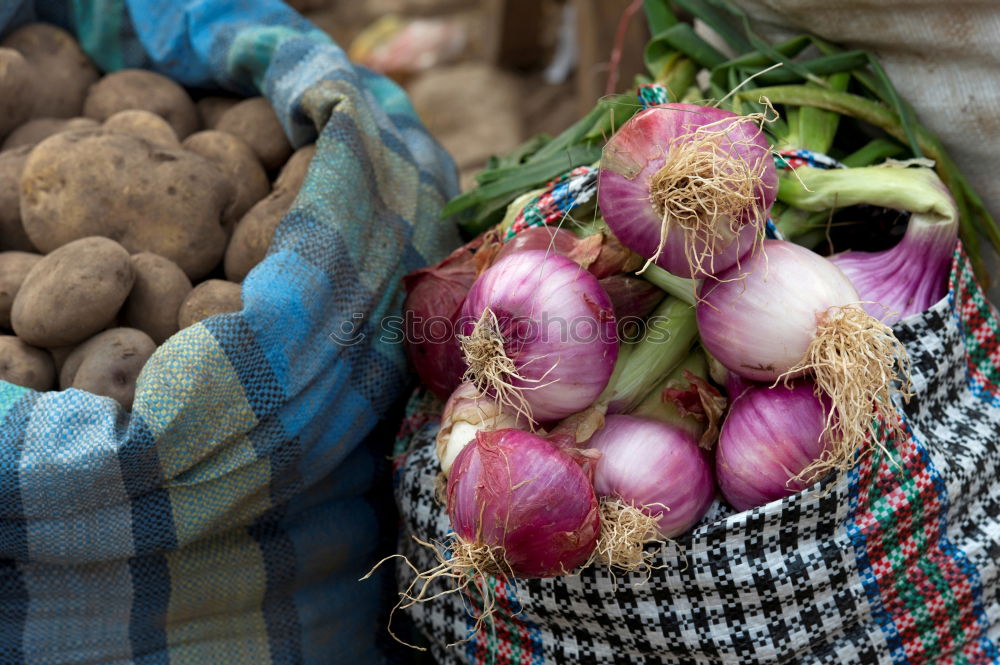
<point x="769" y="437"/>
<point x="540" y="334"/>
<point x="688" y="187"/>
<point x="546" y="238"/>
<point x="760" y="326"/>
<point x="655" y="466"/>
<point x="515" y="490"/>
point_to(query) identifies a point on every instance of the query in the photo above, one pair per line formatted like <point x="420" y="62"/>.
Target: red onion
<point x="546" y="238"/>
<point x="771" y="435"/>
<point x="631" y="297"/>
<point x="688" y="187"/>
<point x="465" y="413"/>
<point x="656" y="467"/>
<point x="796" y="313"/>
<point x="539" y="335"/>
<point x="434" y="298"/>
<point x="514" y="490"/>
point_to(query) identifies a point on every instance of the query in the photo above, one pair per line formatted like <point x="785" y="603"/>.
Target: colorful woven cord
<point x="793" y="159"/>
<point x="653" y="94"/>
<point x="560" y="196"/>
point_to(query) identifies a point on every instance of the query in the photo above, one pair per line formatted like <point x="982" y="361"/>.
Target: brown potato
<point x="213" y="296"/>
<point x="253" y="234"/>
<point x="72" y="293"/>
<point x="39" y="129"/>
<point x="238" y="162"/>
<point x="145" y="125"/>
<point x="59" y="355"/>
<point x="212" y="107"/>
<point x="12" y="233"/>
<point x="148" y="91"/>
<point x="160" y="288"/>
<point x="24" y="365"/>
<point x="14" y="267"/>
<point x="17" y="90"/>
<point x="62" y="72"/>
<point x="108" y="364"/>
<point x="255" y="121"/>
<point x="149" y="199"/>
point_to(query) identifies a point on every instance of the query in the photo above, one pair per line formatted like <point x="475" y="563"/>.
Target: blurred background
<point x="485" y="75"/>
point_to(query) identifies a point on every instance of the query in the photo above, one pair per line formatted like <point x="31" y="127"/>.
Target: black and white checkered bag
<point x="896" y="561"/>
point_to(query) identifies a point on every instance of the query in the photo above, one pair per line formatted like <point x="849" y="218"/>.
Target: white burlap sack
<point x="944" y="57"/>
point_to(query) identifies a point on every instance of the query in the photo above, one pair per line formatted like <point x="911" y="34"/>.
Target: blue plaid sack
<point x="225" y="520"/>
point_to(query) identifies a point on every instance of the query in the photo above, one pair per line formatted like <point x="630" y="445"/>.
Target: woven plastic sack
<point x="225" y="520"/>
<point x="896" y="561"/>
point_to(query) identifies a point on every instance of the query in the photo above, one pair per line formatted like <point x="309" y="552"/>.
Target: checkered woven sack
<point x="895" y="561"/>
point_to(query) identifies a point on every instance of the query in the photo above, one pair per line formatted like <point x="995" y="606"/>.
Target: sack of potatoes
<point x="206" y="211"/>
<point x="129" y="209"/>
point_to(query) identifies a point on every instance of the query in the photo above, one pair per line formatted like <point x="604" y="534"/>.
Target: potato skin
<point x="62" y="72"/>
<point x="146" y="197"/>
<point x="255" y="121"/>
<point x="12" y="233"/>
<point x="253" y="233"/>
<point x="72" y="293"/>
<point x="145" y="125"/>
<point x="17" y="90"/>
<point x="108" y="364"/>
<point x="145" y="90"/>
<point x="25" y="365"/>
<point x="213" y="296"/>
<point x="160" y="288"/>
<point x="14" y="267"/>
<point x="211" y="108"/>
<point x="38" y="129"/>
<point x="235" y="159"/>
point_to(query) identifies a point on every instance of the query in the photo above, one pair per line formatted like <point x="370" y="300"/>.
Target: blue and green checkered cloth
<point x="228" y="518"/>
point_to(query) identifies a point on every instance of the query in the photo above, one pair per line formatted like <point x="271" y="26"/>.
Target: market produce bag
<point x="225" y="519"/>
<point x="894" y="561"/>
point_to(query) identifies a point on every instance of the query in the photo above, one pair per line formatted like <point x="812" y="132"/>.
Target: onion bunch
<point x="688" y="187"/>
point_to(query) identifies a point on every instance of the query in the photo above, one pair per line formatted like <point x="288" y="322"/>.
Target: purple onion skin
<point x="514" y="489"/>
<point x="434" y="297"/>
<point x="769" y="437"/>
<point x="653" y="464"/>
<point x="636" y="152"/>
<point x="545" y="238"/>
<point x="905" y="279"/>
<point x="761" y="326"/>
<point x="631" y="296"/>
<point x="559" y="328"/>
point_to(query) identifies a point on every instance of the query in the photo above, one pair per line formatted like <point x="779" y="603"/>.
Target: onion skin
<point x="905" y="279"/>
<point x="631" y="297"/>
<point x="465" y="413"/>
<point x="652" y="464"/>
<point x="436" y="294"/>
<point x="558" y="325"/>
<point x="769" y="437"/>
<point x="635" y="153"/>
<point x="760" y="326"/>
<point x="513" y="489"/>
<point x="545" y="238"/>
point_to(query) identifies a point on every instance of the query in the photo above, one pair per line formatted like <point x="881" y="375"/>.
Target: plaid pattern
<point x="896" y="561"/>
<point x="225" y="520"/>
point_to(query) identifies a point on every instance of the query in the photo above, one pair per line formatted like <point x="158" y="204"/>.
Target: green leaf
<point x="658" y="15"/>
<point x="716" y="21"/>
<point x="682" y="37"/>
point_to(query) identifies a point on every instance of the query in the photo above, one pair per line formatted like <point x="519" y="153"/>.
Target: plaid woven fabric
<point x="225" y="520"/>
<point x="896" y="561"/>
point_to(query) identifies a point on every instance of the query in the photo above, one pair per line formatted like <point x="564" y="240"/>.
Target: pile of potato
<point x="127" y="211"/>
